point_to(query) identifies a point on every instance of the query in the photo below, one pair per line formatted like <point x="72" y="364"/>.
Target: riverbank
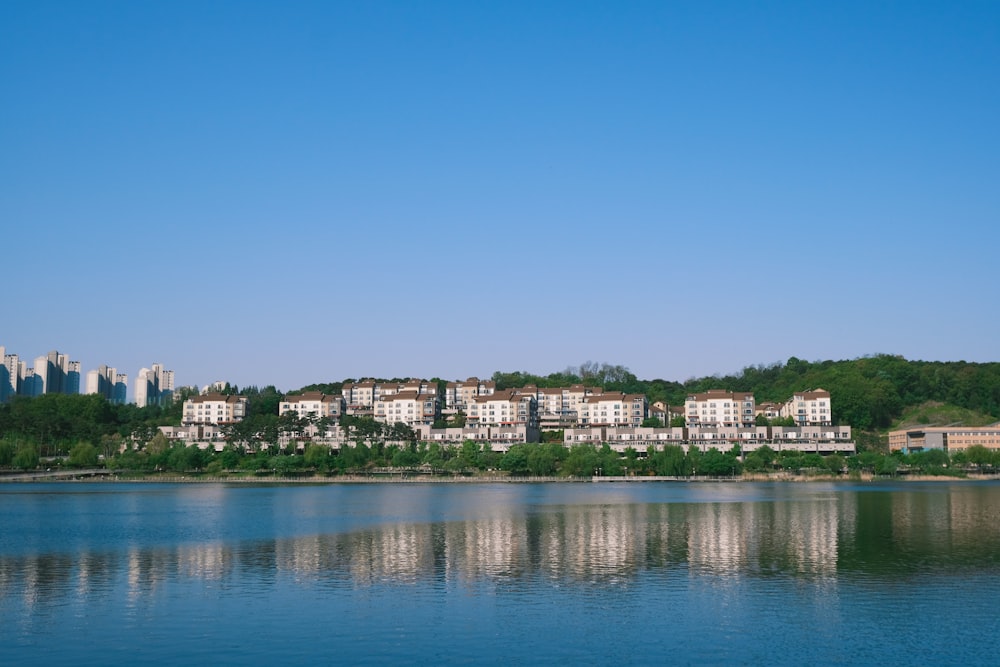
<point x="103" y="476"/>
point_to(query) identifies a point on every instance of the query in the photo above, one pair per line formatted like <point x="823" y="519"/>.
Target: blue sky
<point x="288" y="193"/>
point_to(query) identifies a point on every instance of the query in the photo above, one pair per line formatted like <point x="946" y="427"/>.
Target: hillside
<point x="934" y="413"/>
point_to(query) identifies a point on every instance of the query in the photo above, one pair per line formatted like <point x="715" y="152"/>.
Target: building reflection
<point x="572" y="544"/>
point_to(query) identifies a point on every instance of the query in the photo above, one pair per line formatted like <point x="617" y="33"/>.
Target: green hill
<point x="934" y="413"/>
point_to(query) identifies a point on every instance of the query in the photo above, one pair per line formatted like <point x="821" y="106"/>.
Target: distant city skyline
<point x="280" y="194"/>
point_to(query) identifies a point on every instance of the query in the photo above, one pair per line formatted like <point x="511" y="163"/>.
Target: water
<point x="617" y="573"/>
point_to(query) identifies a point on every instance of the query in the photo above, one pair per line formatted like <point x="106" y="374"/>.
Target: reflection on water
<point x="811" y="533"/>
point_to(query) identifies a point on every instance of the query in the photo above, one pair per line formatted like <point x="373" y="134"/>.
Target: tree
<point x="7" y="451"/>
<point x="26" y="458"/>
<point x="83" y="455"/>
<point x="317" y="457"/>
<point x="835" y="463"/>
<point x="515" y="461"/>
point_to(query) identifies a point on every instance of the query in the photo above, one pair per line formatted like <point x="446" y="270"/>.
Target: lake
<point x="420" y="573"/>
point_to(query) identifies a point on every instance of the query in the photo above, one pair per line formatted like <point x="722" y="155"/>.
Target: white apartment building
<point x="809" y="408"/>
<point x="313" y="404"/>
<point x="820" y="439"/>
<point x="214" y="409"/>
<point x="362" y="397"/>
<point x="504" y="408"/>
<point x="459" y="395"/>
<point x="768" y="410"/>
<point x="613" y="409"/>
<point x="720" y="408"/>
<point x="409" y="407"/>
<point x="154" y="386"/>
<point x="359" y="395"/>
<point x="109" y="383"/>
<point x="620" y="438"/>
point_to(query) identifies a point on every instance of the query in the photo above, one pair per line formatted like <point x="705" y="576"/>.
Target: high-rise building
<point x="10" y="375"/>
<point x="109" y="383"/>
<point x="54" y="373"/>
<point x="154" y="386"/>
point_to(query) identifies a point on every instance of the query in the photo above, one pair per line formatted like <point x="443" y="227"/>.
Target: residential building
<point x="459" y="395"/>
<point x="809" y="408"/>
<point x="10" y="375"/>
<point x="818" y="439"/>
<point x="620" y="438"/>
<point x="948" y="438"/>
<point x="828" y="440"/>
<point x="409" y="407"/>
<point x="359" y="397"/>
<point x="109" y="383"/>
<point x="724" y="437"/>
<point x="613" y="409"/>
<point x="768" y="410"/>
<point x="720" y="408"/>
<point x="504" y="407"/>
<point x="214" y="409"/>
<point x="154" y="386"/>
<point x="53" y="373"/>
<point x="313" y="404"/>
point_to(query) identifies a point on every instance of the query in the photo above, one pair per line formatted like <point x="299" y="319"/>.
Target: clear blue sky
<point x="288" y="193"/>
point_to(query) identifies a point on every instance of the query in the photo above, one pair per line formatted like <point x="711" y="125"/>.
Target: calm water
<point x="659" y="573"/>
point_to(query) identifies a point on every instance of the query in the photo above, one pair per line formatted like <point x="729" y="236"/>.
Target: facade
<point x="720" y="408"/>
<point x="360" y="398"/>
<point x="53" y="373"/>
<point x="11" y="374"/>
<point x="407" y="407"/>
<point x="214" y="409"/>
<point x="613" y="409"/>
<point x="109" y="383"/>
<point x="948" y="438"/>
<point x="313" y="404"/>
<point x="459" y="395"/>
<point x="620" y="438"/>
<point x="154" y="386"/>
<point x="768" y="410"/>
<point x="504" y="408"/>
<point x="822" y="440"/>
<point x="809" y="408"/>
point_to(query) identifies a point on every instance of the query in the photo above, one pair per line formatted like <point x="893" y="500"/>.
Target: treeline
<point x="470" y="458"/>
<point x="54" y="423"/>
<point x="867" y="394"/>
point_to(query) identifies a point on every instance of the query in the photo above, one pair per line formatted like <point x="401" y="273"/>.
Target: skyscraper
<point x="154" y="386"/>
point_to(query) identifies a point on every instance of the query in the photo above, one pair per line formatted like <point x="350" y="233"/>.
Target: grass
<point x="933" y="413"/>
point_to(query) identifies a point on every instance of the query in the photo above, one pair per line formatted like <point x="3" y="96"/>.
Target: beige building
<point x="822" y="440"/>
<point x="768" y="410"/>
<point x="214" y="409"/>
<point x="620" y="438"/>
<point x="408" y="407"/>
<point x="948" y="438"/>
<point x="459" y="395"/>
<point x="313" y="404"/>
<point x="809" y="408"/>
<point x="720" y="408"/>
<point x="613" y="409"/>
<point x="504" y="408"/>
<point x="360" y="398"/>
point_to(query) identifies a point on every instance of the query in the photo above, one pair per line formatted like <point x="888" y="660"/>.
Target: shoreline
<point x="92" y="476"/>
